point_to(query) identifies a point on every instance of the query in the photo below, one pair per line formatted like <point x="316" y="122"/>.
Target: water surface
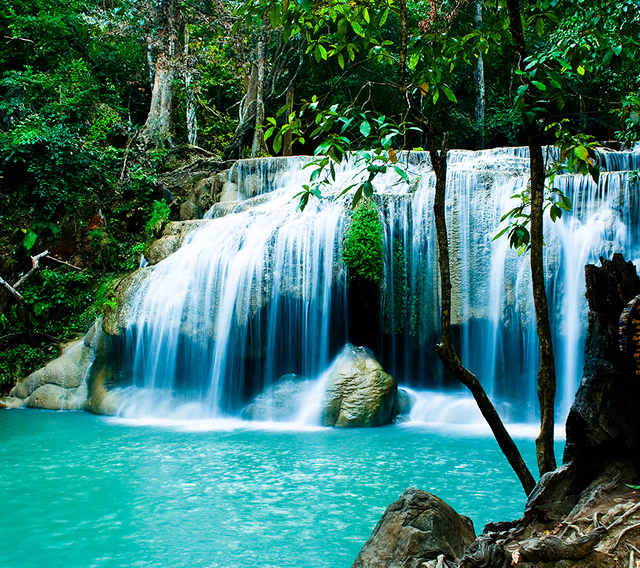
<point x="79" y="490"/>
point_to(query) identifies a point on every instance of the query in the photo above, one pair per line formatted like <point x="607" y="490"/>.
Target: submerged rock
<point x="416" y="529"/>
<point x="358" y="393"/>
<point x="281" y="402"/>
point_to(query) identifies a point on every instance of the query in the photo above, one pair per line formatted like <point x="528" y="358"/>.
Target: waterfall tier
<point x="259" y="289"/>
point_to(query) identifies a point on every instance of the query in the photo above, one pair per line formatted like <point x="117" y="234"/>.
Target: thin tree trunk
<point x="546" y="370"/>
<point x="478" y="75"/>
<point x="152" y="68"/>
<point x="446" y="349"/>
<point x="258" y="145"/>
<point x="287" y="139"/>
<point x="192" y="119"/>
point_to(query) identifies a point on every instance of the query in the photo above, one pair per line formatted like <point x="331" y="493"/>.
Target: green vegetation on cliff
<point x="99" y="102"/>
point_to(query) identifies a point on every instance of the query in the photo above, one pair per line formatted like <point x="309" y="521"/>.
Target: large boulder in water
<point x="358" y="392"/>
<point x="281" y="402"/>
<point x="414" y="531"/>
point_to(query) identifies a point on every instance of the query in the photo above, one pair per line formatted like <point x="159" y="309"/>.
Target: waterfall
<point x="259" y="290"/>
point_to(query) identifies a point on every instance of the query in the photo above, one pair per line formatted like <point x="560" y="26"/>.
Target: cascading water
<point x="260" y="289"/>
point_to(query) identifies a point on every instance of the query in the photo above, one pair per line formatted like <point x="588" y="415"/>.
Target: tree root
<point x="552" y="548"/>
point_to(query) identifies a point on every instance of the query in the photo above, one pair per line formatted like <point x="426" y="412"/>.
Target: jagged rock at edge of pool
<point x="586" y="513"/>
<point x="358" y="392"/>
<point x="414" y="531"/>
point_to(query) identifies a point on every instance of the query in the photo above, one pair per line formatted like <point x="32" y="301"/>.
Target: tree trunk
<point x="287" y="139"/>
<point x="152" y="67"/>
<point x="546" y="370"/>
<point x="258" y="146"/>
<point x="157" y="130"/>
<point x="478" y="75"/>
<point x="192" y="119"/>
<point x="446" y="349"/>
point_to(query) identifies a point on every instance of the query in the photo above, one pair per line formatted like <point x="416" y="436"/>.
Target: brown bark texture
<point x="546" y="370"/>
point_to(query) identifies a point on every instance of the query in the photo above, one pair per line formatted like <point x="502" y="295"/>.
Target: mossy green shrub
<point x="158" y="219"/>
<point x="363" y="243"/>
<point x="17" y="363"/>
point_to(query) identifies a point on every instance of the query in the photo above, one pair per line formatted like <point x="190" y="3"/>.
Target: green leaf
<point x="367" y="188"/>
<point x="449" y="93"/>
<point x="401" y="173"/>
<point x="29" y="240"/>
<point x="356" y="198"/>
<point x="501" y="232"/>
<point x="540" y="85"/>
<point x="357" y="28"/>
<point x="277" y="143"/>
<point x="582" y="153"/>
<point x="341" y="60"/>
<point x="306" y="5"/>
<point x="386" y="141"/>
<point x="581" y="70"/>
<point x="365" y="128"/>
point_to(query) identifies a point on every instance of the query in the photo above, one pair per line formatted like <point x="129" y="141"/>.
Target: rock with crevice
<point x="414" y="532"/>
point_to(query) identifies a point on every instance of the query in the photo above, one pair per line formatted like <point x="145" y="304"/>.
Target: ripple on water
<point x="84" y="491"/>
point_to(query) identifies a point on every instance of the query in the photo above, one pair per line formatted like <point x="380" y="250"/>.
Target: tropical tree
<point x="427" y="60"/>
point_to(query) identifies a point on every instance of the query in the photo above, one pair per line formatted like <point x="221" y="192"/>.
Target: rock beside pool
<point x="358" y="393"/>
<point x="281" y="402"/>
<point x="62" y="383"/>
<point x="53" y="397"/>
<point x="414" y="532"/>
<point x="404" y="402"/>
<point x="10" y="402"/>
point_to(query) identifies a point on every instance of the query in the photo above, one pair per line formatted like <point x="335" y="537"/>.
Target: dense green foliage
<point x="362" y="247"/>
<point x="76" y="83"/>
